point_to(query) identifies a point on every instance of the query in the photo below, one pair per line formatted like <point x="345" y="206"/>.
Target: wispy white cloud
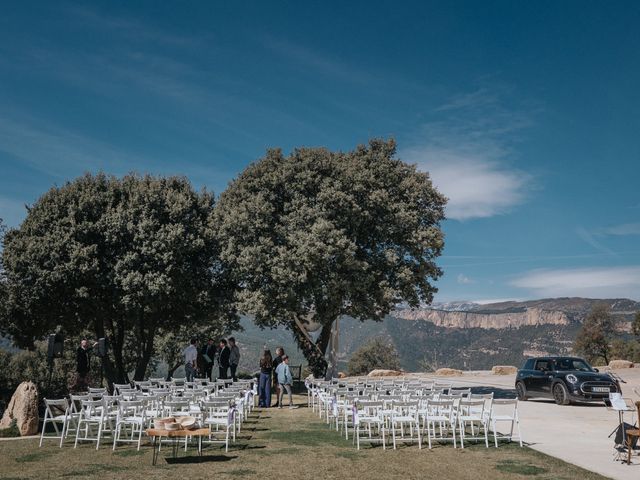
<point x="467" y="154"/>
<point x="462" y="279"/>
<point x="592" y="282"/>
<point x="59" y="152"/>
<point x="591" y="239"/>
<point x="487" y="301"/>
<point x="622" y="230"/>
<point x="131" y="28"/>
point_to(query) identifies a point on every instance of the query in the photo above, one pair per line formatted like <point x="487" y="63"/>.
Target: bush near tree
<point x="596" y="335"/>
<point x="377" y="353"/>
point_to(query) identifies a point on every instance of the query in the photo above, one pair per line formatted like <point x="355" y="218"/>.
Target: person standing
<point x="264" y="383"/>
<point x="285" y="380"/>
<point x="234" y="358"/>
<point x="191" y="359"/>
<point x="83" y="364"/>
<point x="209" y="354"/>
<point x="276" y="362"/>
<point x="223" y="359"/>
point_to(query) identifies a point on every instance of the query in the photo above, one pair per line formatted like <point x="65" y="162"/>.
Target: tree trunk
<point x="116" y="345"/>
<point x="145" y="357"/>
<point x="171" y="370"/>
<point x="107" y="366"/>
<point x="314" y="353"/>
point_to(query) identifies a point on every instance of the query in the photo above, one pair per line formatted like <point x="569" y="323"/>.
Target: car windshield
<point x="573" y="364"/>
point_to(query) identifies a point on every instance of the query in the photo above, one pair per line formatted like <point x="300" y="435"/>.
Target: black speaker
<point x="619" y="438"/>
<point x="55" y="346"/>
<point x="102" y="347"/>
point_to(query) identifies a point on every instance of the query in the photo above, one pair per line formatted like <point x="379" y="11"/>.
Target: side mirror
<point x="596" y="370"/>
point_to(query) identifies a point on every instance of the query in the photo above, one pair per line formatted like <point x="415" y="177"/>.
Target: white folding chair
<point x="130" y="414"/>
<point x="439" y="417"/>
<point x="505" y="410"/>
<point x="56" y="411"/>
<point x="221" y="415"/>
<point x="92" y="415"/>
<point x="405" y="415"/>
<point x="472" y="413"/>
<point x="368" y="416"/>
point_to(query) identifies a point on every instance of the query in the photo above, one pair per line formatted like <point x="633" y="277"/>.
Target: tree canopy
<point x="318" y="234"/>
<point x="125" y="257"/>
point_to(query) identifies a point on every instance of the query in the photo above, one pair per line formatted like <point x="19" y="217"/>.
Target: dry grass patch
<point x="283" y="444"/>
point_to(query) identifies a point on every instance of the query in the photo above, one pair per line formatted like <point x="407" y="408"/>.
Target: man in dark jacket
<point x="209" y="354"/>
<point x="223" y="359"/>
<point x="83" y="364"/>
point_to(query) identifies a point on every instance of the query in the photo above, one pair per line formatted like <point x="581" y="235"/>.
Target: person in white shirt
<point x="190" y="360"/>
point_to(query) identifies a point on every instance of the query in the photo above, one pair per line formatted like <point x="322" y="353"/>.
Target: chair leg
<point x="65" y="426"/>
<point x="393" y="434"/>
<point x="115" y="435"/>
<point x="486" y="435"/>
<point x="75" y="445"/>
<point x="99" y="435"/>
<point x="44" y="426"/>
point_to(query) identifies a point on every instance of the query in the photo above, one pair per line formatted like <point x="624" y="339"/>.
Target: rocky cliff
<point x="459" y="319"/>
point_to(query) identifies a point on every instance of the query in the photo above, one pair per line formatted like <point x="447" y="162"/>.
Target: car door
<point x="541" y="377"/>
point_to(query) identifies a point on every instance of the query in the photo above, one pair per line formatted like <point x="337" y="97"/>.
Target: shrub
<point x="10" y="431"/>
<point x="377" y="353"/>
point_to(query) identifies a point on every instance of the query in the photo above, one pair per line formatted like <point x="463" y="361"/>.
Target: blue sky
<point x="527" y="114"/>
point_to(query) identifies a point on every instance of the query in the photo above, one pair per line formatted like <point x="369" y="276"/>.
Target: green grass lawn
<point x="283" y="444"/>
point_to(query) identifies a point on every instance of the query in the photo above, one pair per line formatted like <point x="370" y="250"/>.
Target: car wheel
<point x="561" y="394"/>
<point x="521" y="391"/>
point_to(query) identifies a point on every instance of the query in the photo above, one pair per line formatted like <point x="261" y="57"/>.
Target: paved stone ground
<point x="577" y="434"/>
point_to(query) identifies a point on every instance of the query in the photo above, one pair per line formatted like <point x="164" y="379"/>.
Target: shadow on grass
<point x="241" y="472"/>
<point x="198" y="459"/>
<point x="247" y="447"/>
<point x="128" y="453"/>
<point x="34" y="456"/>
<point x="519" y="467"/>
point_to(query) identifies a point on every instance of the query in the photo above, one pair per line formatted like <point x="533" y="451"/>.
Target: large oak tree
<point x="128" y="258"/>
<point x="319" y="234"/>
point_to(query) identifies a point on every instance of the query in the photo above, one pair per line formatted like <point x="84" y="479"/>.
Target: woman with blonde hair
<point x="264" y="383"/>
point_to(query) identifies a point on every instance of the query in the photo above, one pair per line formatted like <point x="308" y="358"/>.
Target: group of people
<point x="274" y="371"/>
<point x="199" y="362"/>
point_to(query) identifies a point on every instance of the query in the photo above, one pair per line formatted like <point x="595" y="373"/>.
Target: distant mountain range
<point x="462" y="335"/>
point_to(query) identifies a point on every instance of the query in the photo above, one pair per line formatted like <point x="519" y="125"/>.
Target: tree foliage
<point x="318" y="234"/>
<point x="635" y="325"/>
<point x="124" y="257"/>
<point x="377" y="353"/>
<point x="595" y="337"/>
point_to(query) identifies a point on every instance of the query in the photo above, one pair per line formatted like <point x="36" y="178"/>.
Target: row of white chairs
<point x="407" y="412"/>
<point x="127" y="414"/>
